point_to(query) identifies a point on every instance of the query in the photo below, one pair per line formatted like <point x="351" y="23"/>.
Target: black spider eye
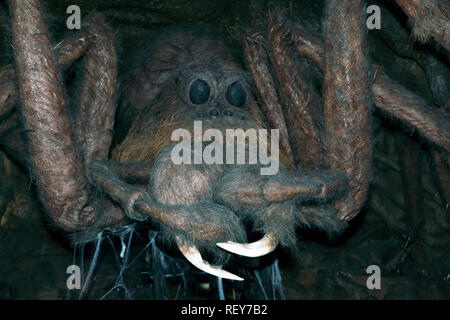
<point x="199" y="92"/>
<point x="236" y="94"/>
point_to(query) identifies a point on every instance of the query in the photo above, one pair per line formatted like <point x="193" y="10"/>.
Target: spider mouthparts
<point x="259" y="248"/>
<point x="193" y="256"/>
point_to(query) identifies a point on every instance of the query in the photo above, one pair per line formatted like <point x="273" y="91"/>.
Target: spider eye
<point x="199" y="92"/>
<point x="236" y="94"/>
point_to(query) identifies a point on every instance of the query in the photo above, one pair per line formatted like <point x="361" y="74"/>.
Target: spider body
<point x="189" y="75"/>
<point x="201" y="80"/>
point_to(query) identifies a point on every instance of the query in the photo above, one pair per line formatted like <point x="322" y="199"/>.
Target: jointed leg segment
<point x="302" y="108"/>
<point x="57" y="166"/>
<point x="11" y="137"/>
<point x="345" y="117"/>
<point x="388" y="95"/>
<point x="98" y="97"/>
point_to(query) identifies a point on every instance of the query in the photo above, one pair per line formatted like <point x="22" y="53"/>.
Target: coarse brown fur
<point x="175" y="52"/>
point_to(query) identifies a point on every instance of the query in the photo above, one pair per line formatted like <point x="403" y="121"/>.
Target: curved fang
<point x="193" y="256"/>
<point x="259" y="248"/>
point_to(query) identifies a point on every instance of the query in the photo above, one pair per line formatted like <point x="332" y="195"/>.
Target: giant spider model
<point x="190" y="75"/>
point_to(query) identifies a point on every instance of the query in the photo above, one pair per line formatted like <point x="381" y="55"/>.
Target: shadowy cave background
<point x="403" y="228"/>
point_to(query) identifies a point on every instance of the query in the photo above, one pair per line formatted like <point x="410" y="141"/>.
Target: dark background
<point x="404" y="227"/>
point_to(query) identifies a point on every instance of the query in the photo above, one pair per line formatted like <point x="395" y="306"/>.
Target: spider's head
<point x="186" y="76"/>
<point x="219" y="98"/>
